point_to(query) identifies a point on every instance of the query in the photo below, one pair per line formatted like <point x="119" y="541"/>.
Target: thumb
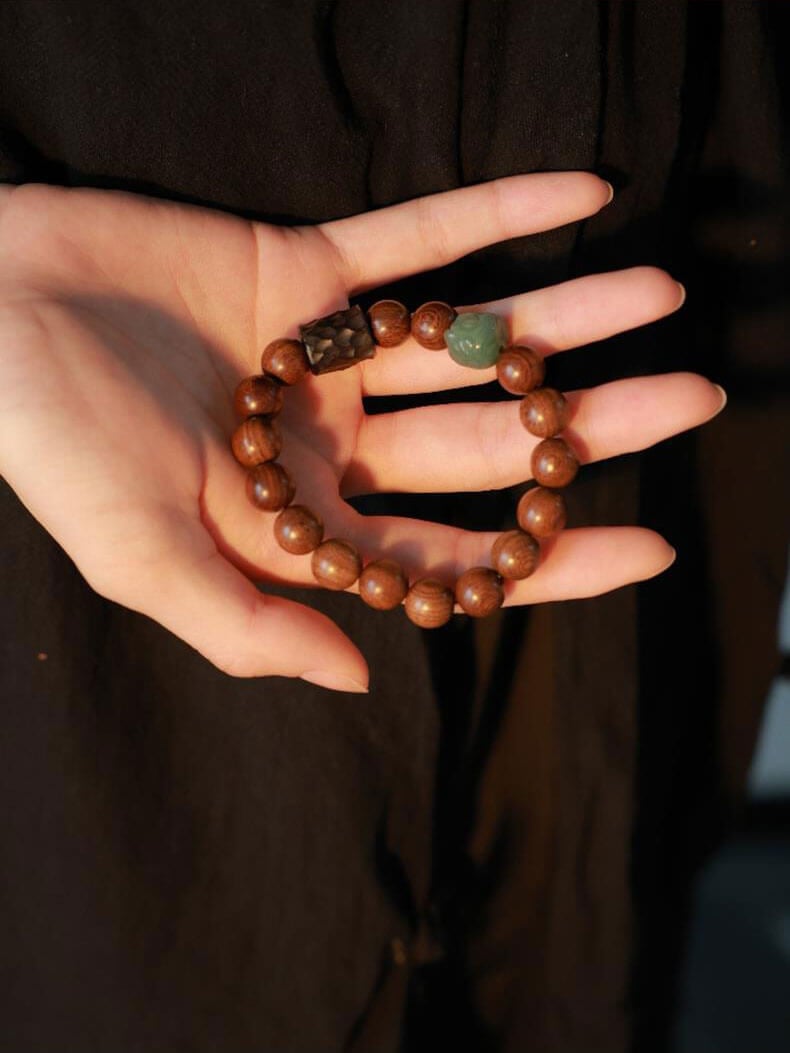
<point x="205" y="601"/>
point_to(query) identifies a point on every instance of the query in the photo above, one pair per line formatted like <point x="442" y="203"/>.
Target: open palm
<point x="126" y="323"/>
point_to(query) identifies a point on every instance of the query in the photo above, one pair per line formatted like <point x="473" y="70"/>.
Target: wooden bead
<point x="541" y="512"/>
<point x="515" y="554"/>
<point x="479" y="591"/>
<point x="286" y="360"/>
<point x="298" y="530"/>
<point x="383" y="585"/>
<point x="336" y="564"/>
<point x="269" y="486"/>
<point x="257" y="439"/>
<point x="519" y="369"/>
<point x="544" y="412"/>
<point x="390" y="322"/>
<point x="429" y="603"/>
<point x="429" y="322"/>
<point x="258" y="394"/>
<point x="554" y="463"/>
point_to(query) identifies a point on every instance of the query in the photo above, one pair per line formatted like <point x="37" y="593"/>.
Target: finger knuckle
<point x="501" y="224"/>
<point x="492" y="435"/>
<point x="432" y="230"/>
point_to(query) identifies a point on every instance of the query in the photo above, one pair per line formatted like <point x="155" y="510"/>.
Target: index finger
<point x="431" y="231"/>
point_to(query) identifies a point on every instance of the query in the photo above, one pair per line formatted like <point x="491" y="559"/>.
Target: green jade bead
<point x="476" y="338"/>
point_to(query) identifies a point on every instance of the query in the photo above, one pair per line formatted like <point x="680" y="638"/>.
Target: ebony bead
<point x="257" y="439"/>
<point x="286" y="360"/>
<point x="338" y="340"/>
<point x="515" y="554"/>
<point x="269" y="486"/>
<point x="554" y="463"/>
<point x="541" y="512"/>
<point x="258" y="394"/>
<point x="298" y="530"/>
<point x="429" y="322"/>
<point x="383" y="585"/>
<point x="479" y="591"/>
<point x="429" y="603"/>
<point x="544" y="412"/>
<point x="519" y="369"/>
<point x="390" y="322"/>
<point x="336" y="564"/>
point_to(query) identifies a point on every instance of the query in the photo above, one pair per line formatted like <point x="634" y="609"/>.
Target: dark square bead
<point x="337" y="341"/>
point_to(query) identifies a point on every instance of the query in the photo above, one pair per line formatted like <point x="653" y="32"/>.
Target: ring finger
<point x="484" y="446"/>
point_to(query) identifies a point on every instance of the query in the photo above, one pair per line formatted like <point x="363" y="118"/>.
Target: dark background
<point x="500" y="843"/>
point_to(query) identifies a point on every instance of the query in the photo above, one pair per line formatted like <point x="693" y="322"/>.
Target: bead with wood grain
<point x="258" y="395"/>
<point x="479" y="591"/>
<point x="429" y="322"/>
<point x="269" y="486"/>
<point x="336" y="563"/>
<point x="541" y="512"/>
<point x="429" y="603"/>
<point x="285" y="359"/>
<point x="298" y="530"/>
<point x="383" y="584"/>
<point x="519" y="369"/>
<point x="544" y="412"/>
<point x="515" y="554"/>
<point x="390" y="322"/>
<point x="257" y="439"/>
<point x="554" y="463"/>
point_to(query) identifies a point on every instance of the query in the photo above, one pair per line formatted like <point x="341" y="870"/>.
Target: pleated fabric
<point x="496" y="846"/>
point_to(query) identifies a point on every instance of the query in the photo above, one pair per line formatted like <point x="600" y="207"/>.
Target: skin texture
<point x="126" y="323"/>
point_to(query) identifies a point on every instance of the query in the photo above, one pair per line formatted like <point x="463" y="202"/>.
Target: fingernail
<point x="611" y="192"/>
<point x="723" y="397"/>
<point x="682" y="293"/>
<point x="670" y="562"/>
<point x="334" y="681"/>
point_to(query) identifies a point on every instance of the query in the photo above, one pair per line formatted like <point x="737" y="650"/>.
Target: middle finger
<point x="557" y="318"/>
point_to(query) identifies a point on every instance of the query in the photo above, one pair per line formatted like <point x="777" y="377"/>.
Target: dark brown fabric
<point x="495" y="846"/>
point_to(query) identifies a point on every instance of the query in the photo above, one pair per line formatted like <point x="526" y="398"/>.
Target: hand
<point x="126" y="323"/>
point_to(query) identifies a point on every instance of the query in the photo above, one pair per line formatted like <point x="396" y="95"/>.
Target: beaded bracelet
<point x="339" y="340"/>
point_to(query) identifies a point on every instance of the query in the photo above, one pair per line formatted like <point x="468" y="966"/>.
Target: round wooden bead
<point x="554" y="463"/>
<point x="286" y="360"/>
<point x="429" y="603"/>
<point x="429" y="322"/>
<point x="257" y="439"/>
<point x="390" y="322"/>
<point x="258" y="394"/>
<point x="383" y="585"/>
<point x="519" y="369"/>
<point x="515" y="554"/>
<point x="269" y="486"/>
<point x="336" y="564"/>
<point x="479" y="591"/>
<point x="541" y="512"/>
<point x="544" y="412"/>
<point x="298" y="530"/>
